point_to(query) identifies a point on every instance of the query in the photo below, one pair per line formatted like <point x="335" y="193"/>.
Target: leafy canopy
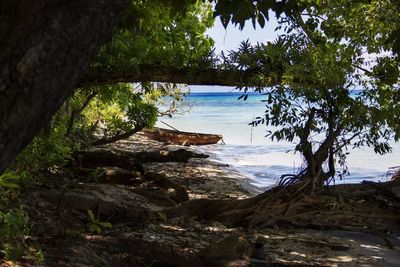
<point x="329" y="93"/>
<point x="151" y="33"/>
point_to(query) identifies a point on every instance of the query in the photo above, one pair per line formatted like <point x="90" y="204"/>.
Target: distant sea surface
<point x="248" y="150"/>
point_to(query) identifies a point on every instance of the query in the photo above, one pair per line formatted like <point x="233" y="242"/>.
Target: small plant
<point x="13" y="232"/>
<point x="94" y="175"/>
<point x="39" y="256"/>
<point x="95" y="226"/>
<point x="14" y="226"/>
<point x="8" y="184"/>
<point x="9" y="181"/>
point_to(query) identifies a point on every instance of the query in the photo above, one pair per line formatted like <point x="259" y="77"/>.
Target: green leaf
<point x="93" y="228"/>
<point x="9" y="180"/>
<point x="104" y="224"/>
<point x="91" y="215"/>
<point x="261" y="20"/>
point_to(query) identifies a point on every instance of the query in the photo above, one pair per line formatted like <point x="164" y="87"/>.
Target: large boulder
<point x="107" y="201"/>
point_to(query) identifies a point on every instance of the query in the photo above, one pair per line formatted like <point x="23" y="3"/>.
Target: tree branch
<point x="78" y="111"/>
<point x="305" y="145"/>
<point x="169" y="74"/>
<point x="322" y="152"/>
<point x="348" y="140"/>
<point x="104" y="141"/>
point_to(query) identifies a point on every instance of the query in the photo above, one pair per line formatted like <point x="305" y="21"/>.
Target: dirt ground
<point x="142" y="235"/>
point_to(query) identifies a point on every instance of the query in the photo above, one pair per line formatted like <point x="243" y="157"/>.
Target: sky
<point x="230" y="38"/>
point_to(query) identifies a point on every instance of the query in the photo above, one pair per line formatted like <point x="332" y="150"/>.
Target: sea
<point x="247" y="149"/>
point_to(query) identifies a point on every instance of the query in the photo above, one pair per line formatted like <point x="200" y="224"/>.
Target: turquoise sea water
<point x="248" y="150"/>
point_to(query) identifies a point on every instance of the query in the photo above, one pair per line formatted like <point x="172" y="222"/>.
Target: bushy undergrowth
<point x="46" y="151"/>
<point x="14" y="222"/>
<point x="102" y="113"/>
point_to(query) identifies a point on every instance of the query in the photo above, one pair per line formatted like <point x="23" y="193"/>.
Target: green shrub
<point x="14" y="229"/>
<point x="46" y="151"/>
<point x="13" y="222"/>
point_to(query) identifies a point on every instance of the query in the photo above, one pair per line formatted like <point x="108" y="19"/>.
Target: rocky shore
<point x="132" y="184"/>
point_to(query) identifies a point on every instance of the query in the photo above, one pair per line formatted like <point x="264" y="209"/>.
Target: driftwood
<point x="129" y="160"/>
<point x="180" y="155"/>
<point x="102" y="158"/>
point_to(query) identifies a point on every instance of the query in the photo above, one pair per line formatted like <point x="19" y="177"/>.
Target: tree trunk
<point x="46" y="46"/>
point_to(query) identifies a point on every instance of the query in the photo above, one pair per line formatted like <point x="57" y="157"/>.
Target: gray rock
<point x="229" y="248"/>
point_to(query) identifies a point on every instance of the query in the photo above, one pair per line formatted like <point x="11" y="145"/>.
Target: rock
<point x="163" y="192"/>
<point x="232" y="247"/>
<point x="173" y="190"/>
<point x="120" y="176"/>
<point x="236" y="263"/>
<point x="157" y="196"/>
<point x="259" y="250"/>
<point x="108" y="175"/>
<point x="108" y="201"/>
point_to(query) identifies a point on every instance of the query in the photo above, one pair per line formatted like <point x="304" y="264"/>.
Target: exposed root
<point x="373" y="206"/>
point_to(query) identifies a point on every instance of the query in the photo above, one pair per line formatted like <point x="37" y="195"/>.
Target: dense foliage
<point x="151" y="34"/>
<point x="332" y="93"/>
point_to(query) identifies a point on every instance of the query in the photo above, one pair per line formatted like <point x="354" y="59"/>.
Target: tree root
<point x="359" y="207"/>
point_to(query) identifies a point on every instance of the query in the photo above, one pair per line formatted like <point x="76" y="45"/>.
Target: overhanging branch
<point x="190" y="76"/>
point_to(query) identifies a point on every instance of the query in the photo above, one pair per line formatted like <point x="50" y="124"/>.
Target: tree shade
<point x="46" y="47"/>
<point x="43" y="60"/>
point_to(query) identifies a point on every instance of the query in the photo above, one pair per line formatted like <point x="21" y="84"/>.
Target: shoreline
<point x="211" y="172"/>
<point x="229" y="172"/>
<point x="257" y="185"/>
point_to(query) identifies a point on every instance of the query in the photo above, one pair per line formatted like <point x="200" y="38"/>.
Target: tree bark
<point x="46" y="45"/>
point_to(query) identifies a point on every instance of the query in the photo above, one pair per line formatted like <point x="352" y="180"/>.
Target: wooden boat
<point x="181" y="138"/>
